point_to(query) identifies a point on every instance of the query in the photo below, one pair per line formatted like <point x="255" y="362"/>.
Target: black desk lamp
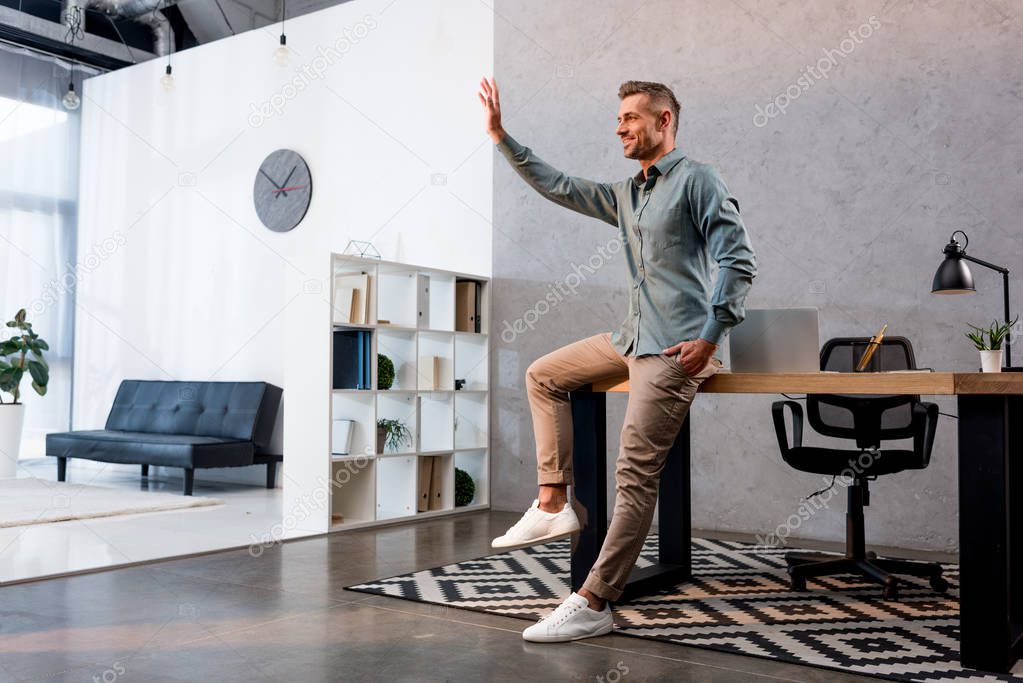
<point x="954" y="277"/>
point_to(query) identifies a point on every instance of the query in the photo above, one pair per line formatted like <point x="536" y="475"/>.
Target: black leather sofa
<point x="180" y="424"/>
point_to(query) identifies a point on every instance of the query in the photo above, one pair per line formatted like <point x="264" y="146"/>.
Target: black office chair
<point x="868" y="420"/>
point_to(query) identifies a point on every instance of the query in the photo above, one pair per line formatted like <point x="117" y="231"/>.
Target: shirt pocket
<point x="664" y="237"/>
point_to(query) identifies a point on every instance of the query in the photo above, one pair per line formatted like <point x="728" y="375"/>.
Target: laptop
<point x="776" y="340"/>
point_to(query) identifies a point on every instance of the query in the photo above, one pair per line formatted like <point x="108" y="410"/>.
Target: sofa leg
<point x="189" y="480"/>
<point x="145" y="470"/>
<point x="61" y="469"/>
<point x="271" y="475"/>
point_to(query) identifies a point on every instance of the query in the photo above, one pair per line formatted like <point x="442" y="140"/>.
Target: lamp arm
<point x="1005" y="300"/>
<point x="1000" y="269"/>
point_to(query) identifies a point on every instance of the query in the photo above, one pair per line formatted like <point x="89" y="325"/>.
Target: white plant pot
<point x="991" y="361"/>
<point x="12" y="419"/>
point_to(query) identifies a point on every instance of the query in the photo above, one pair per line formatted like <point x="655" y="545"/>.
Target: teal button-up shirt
<point x="671" y="224"/>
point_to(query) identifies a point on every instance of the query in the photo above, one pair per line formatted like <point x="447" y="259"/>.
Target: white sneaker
<point x="572" y="620"/>
<point x="537" y="525"/>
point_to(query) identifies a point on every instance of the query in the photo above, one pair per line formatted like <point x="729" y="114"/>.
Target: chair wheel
<point x="871" y="555"/>
<point x="891" y="591"/>
<point x="939" y="584"/>
<point x="796" y="583"/>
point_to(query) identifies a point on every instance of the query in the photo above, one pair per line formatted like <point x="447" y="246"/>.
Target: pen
<point x="875" y="342"/>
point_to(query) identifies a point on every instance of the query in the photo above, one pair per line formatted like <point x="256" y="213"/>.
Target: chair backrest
<point x="228" y="410"/>
<point x="868" y="419"/>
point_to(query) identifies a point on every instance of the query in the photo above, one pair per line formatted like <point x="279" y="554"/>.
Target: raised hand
<point x="491" y="101"/>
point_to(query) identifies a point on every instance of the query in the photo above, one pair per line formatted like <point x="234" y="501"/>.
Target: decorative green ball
<point x="385" y="371"/>
<point x="465" y="488"/>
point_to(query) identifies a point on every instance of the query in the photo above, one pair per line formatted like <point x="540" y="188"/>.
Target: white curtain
<point x="38" y="211"/>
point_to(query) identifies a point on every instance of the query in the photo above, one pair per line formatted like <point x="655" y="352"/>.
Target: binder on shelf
<point x="425" y="473"/>
<point x="352" y="361"/>
<point x="423" y="299"/>
<point x="436" y="483"/>
<point x="468" y="294"/>
<point x="354" y="308"/>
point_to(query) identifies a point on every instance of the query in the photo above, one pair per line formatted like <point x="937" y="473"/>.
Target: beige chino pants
<point x="659" y="398"/>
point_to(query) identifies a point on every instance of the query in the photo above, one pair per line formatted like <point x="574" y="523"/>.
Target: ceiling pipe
<point x="141" y="11"/>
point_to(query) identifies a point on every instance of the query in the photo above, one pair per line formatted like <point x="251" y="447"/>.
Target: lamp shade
<point x="953" y="277"/>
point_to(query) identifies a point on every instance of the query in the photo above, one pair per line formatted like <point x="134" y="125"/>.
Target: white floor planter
<point x="12" y="419"/>
<point x="991" y="361"/>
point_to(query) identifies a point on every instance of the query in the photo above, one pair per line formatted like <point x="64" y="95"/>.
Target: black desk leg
<point x="589" y="429"/>
<point x="990" y="531"/>
<point x="589" y="433"/>
<point x="674" y="511"/>
<point x="674" y="530"/>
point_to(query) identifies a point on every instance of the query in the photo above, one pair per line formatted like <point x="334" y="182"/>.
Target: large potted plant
<point x="20" y="354"/>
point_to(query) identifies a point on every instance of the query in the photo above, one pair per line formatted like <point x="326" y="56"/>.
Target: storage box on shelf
<point x="432" y="327"/>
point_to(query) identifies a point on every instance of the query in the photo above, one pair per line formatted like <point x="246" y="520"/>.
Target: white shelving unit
<point x="411" y="319"/>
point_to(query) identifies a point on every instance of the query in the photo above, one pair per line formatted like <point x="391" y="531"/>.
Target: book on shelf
<point x="467" y="306"/>
<point x="341" y="437"/>
<point x="431" y="373"/>
<point x="353" y="307"/>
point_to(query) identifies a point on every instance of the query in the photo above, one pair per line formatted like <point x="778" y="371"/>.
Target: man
<point x="673" y="217"/>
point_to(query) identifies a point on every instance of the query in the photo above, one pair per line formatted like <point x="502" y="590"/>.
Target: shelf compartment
<point x="474" y="463"/>
<point x="469" y="305"/>
<point x="396" y="296"/>
<point x="472" y="420"/>
<point x="358" y="407"/>
<point x="436" y="415"/>
<point x="472" y="361"/>
<point x="348" y="276"/>
<point x="435" y="483"/>
<point x="441" y="303"/>
<point x="352" y="499"/>
<point x="395" y="487"/>
<point x="400" y="347"/>
<point x="402" y="407"/>
<point x="352" y="358"/>
<point x="436" y="361"/>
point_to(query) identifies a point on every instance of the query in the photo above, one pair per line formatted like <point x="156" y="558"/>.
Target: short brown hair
<point x="659" y="93"/>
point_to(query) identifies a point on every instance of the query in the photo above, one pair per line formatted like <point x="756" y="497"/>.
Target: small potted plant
<point x="385" y="371"/>
<point x="989" y="343"/>
<point x="465" y="488"/>
<point x="392" y="435"/>
<point x="20" y="354"/>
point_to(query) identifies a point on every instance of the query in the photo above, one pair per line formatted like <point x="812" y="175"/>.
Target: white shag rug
<point x="38" y="501"/>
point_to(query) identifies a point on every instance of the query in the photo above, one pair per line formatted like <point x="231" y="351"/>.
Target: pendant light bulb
<point x="71" y="100"/>
<point x="167" y="82"/>
<point x="282" y="55"/>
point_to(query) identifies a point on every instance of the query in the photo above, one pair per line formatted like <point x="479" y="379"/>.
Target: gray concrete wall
<point x="849" y="195"/>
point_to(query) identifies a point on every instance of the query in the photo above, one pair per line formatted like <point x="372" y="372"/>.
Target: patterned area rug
<point x="738" y="602"/>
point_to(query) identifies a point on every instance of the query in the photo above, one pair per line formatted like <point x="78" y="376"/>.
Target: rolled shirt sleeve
<point x="716" y="216"/>
<point x="590" y="198"/>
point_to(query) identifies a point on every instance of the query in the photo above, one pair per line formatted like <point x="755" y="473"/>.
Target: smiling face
<point x="643" y="127"/>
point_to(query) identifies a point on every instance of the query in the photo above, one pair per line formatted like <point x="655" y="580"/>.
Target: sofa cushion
<point x="233" y="410"/>
<point x="146" y="448"/>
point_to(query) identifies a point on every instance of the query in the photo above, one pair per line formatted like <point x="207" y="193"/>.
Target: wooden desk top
<point x="929" y="383"/>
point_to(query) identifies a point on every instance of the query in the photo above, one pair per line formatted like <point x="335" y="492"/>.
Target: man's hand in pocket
<point x="693" y="356"/>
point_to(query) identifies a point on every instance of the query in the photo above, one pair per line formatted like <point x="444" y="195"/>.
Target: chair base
<point x="802" y="566"/>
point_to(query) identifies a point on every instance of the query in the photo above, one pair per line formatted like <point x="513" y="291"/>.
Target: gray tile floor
<point x="285" y="616"/>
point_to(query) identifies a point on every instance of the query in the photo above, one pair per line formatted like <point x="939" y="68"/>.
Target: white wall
<point x="187" y="284"/>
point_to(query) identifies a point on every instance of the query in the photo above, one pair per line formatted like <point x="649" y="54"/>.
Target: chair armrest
<point x="925" y="423"/>
<point x="778" y="414"/>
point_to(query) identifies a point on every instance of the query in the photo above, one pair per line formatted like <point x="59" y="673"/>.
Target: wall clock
<point x="282" y="190"/>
